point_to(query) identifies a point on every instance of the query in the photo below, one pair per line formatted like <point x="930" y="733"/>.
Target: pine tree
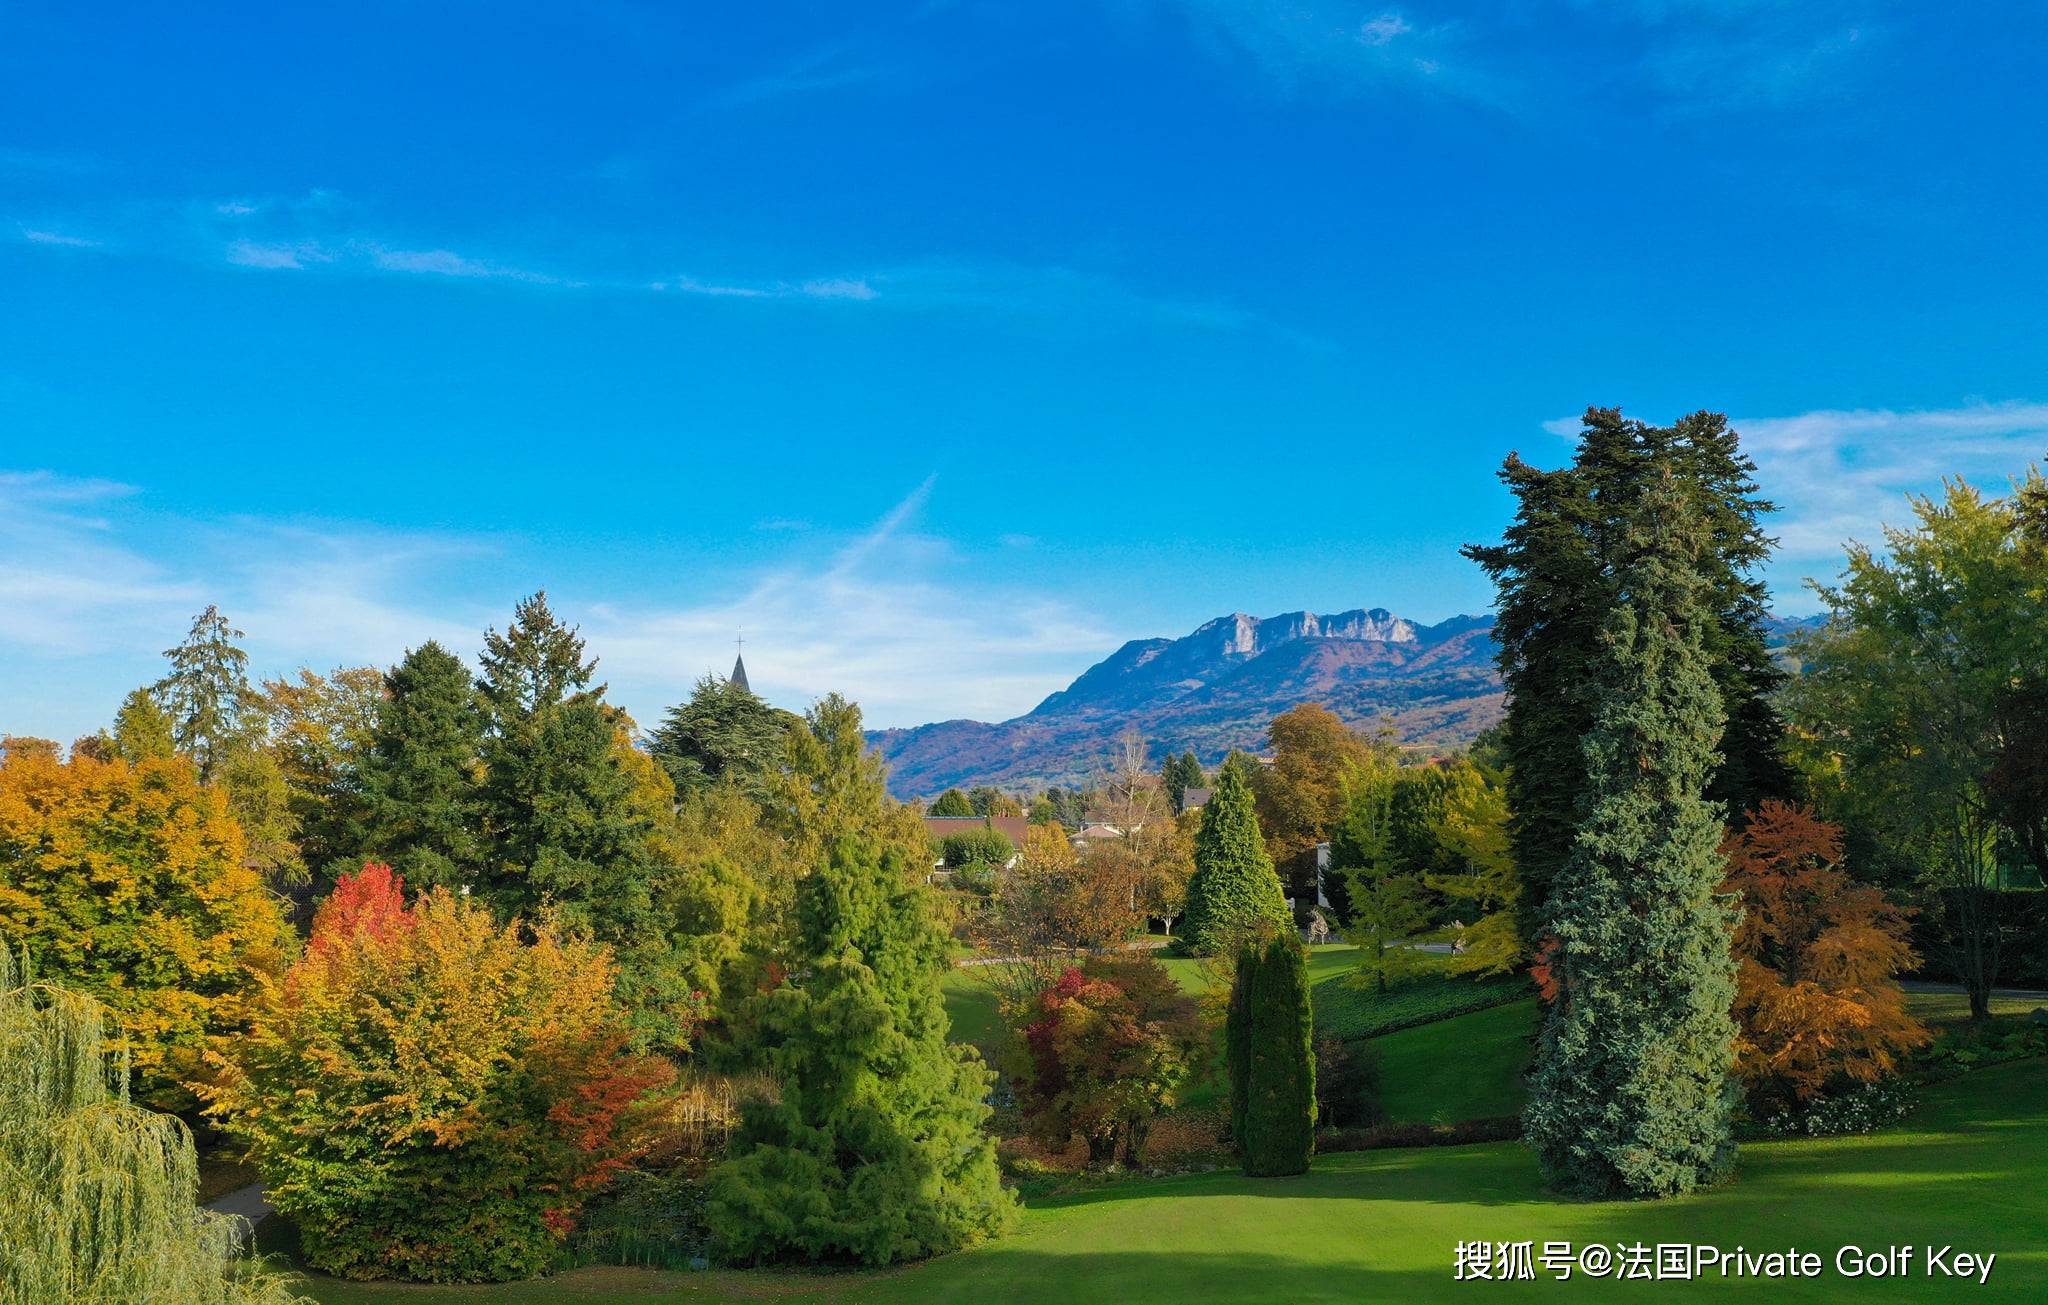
<point x="1269" y="1045"/>
<point x="722" y="733"/>
<point x="422" y="811"/>
<point x="1631" y="1092"/>
<point x="142" y="731"/>
<point x="952" y="802"/>
<point x="1234" y="888"/>
<point x="875" y="1150"/>
<point x="206" y="693"/>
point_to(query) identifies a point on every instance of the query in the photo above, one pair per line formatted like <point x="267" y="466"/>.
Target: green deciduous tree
<point x="875" y="1150"/>
<point x="1234" y="888"/>
<point x="1919" y="710"/>
<point x="1269" y="1045"/>
<point x="952" y="802"/>
<point x="1631" y="1091"/>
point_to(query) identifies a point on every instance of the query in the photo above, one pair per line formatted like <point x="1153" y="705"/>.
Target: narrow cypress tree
<point x="1631" y="1092"/>
<point x="875" y="1151"/>
<point x="1269" y="1044"/>
<point x="1234" y="889"/>
<point x="420" y="777"/>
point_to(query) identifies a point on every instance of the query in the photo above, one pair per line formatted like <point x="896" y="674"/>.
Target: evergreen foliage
<point x="421" y="803"/>
<point x="1631" y="1092"/>
<point x="722" y="733"/>
<point x="99" y="1192"/>
<point x="1557" y="571"/>
<point x="1181" y="774"/>
<point x="1269" y="1045"/>
<point x="952" y="802"/>
<point x="987" y="846"/>
<point x="142" y="729"/>
<point x="206" y="693"/>
<point x="875" y="1151"/>
<point x="1386" y="905"/>
<point x="1234" y="889"/>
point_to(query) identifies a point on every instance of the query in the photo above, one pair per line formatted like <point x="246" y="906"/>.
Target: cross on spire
<point x="738" y="678"/>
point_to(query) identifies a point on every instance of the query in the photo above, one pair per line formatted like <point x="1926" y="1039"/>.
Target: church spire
<point x="738" y="677"/>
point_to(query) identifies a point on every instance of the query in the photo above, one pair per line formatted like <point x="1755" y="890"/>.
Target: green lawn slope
<point x="1969" y="1168"/>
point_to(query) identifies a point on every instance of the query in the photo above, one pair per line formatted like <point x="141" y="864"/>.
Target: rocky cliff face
<point x="1216" y="689"/>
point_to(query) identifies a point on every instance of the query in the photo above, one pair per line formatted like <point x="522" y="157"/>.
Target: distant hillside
<point x="1217" y="689"/>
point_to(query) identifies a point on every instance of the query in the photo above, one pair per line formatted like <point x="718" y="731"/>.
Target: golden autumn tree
<point x="432" y="1094"/>
<point x="130" y="884"/>
<point x="1817" y="993"/>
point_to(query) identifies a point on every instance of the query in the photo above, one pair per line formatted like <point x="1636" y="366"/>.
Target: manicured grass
<point x="971" y="1006"/>
<point x="1940" y="1009"/>
<point x="1348" y="1009"/>
<point x="1466" y="1067"/>
<point x="1969" y="1169"/>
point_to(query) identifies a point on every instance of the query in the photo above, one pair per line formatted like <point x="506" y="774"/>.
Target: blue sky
<point x="944" y="346"/>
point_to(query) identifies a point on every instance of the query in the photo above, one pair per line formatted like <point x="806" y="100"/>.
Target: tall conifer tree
<point x="875" y="1150"/>
<point x="1235" y="889"/>
<point x="1555" y="569"/>
<point x="206" y="693"/>
<point x="1269" y="1038"/>
<point x="1631" y="1092"/>
<point x="421" y="805"/>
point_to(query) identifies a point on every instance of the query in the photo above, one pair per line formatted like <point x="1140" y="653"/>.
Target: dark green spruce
<point x="1631" y="1094"/>
<point x="421" y="807"/>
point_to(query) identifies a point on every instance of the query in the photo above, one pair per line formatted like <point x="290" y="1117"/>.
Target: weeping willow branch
<point x="97" y="1194"/>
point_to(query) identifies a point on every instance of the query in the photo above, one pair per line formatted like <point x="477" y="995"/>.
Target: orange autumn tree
<point x="1817" y="994"/>
<point x="431" y="1095"/>
<point x="130" y="884"/>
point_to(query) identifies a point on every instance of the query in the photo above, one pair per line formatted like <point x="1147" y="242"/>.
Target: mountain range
<point x="1217" y="689"/>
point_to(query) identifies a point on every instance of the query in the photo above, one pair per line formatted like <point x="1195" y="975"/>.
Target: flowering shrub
<point x="1861" y="1110"/>
<point x="430" y="1095"/>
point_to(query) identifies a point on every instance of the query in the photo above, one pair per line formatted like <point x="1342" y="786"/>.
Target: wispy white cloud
<point x="96" y="586"/>
<point x="1843" y="475"/>
<point x="827" y="68"/>
<point x="36" y="236"/>
<point x="837" y="287"/>
<point x="444" y="262"/>
<point x="1340" y="46"/>
<point x="250" y="253"/>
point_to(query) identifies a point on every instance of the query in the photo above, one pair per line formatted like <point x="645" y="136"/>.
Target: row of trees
<point x="554" y="923"/>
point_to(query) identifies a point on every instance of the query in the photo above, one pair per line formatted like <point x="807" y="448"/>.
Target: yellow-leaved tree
<point x="129" y="884"/>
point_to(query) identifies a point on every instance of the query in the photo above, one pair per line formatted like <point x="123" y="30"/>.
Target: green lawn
<point x="1937" y="1009"/>
<point x="1970" y="1168"/>
<point x="1466" y="1067"/>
